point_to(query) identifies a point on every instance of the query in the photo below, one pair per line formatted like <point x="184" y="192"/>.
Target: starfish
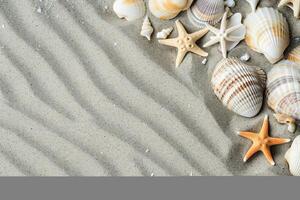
<point x="185" y="42"/>
<point x="262" y="142"/>
<point x="223" y="35"/>
<point x="293" y="4"/>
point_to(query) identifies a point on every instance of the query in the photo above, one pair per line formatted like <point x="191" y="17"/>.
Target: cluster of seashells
<point x="240" y="87"/>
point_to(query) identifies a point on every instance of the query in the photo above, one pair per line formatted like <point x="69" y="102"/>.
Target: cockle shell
<point x="294" y="55"/>
<point x="168" y="9"/>
<point x="293" y="157"/>
<point x="163" y="34"/>
<point x="147" y="28"/>
<point x="267" y="33"/>
<point x="239" y="87"/>
<point x="129" y="9"/>
<point x="204" y="12"/>
<point x="283" y="91"/>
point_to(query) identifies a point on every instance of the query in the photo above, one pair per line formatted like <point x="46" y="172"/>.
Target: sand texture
<point x="83" y="94"/>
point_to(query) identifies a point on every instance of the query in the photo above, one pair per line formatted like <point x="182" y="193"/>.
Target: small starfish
<point x="185" y="42"/>
<point x="222" y="35"/>
<point x="262" y="142"/>
<point x="293" y="4"/>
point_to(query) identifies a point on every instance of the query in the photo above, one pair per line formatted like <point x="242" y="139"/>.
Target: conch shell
<point x="147" y="28"/>
<point x="239" y="87"/>
<point x="129" y="9"/>
<point x="163" y="34"/>
<point x="168" y="9"/>
<point x="293" y="157"/>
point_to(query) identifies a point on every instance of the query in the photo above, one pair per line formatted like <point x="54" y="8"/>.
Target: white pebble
<point x="39" y="10"/>
<point x="245" y="57"/>
<point x="152" y="174"/>
<point x="230" y="3"/>
<point x="115" y="44"/>
<point x="147" y="151"/>
<point x="204" y="61"/>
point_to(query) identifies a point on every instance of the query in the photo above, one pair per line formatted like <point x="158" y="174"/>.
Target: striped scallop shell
<point x="294" y="55"/>
<point x="204" y="12"/>
<point x="168" y="9"/>
<point x="267" y="33"/>
<point x="283" y="89"/>
<point x="129" y="9"/>
<point x="293" y="157"/>
<point x="239" y="87"/>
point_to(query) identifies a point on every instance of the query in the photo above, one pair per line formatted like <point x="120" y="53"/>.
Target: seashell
<point x="163" y="34"/>
<point x="293" y="4"/>
<point x="230" y="3"/>
<point x="204" y="12"/>
<point x="147" y="28"/>
<point x="129" y="9"/>
<point x="283" y="92"/>
<point x="253" y="4"/>
<point x="294" y="55"/>
<point x="267" y="33"/>
<point x="168" y="9"/>
<point x="239" y="87"/>
<point x="293" y="157"/>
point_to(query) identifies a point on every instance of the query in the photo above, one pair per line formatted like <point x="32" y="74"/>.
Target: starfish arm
<point x="213" y="40"/>
<point x="213" y="29"/>
<point x="276" y="141"/>
<point x="199" y="34"/>
<point x="266" y="151"/>
<point x="169" y="42"/>
<point x="248" y="135"/>
<point x="180" y="28"/>
<point x="234" y="38"/>
<point x="180" y="57"/>
<point x="264" y="132"/>
<point x="234" y="28"/>
<point x="224" y="21"/>
<point x="283" y="2"/>
<point x="197" y="50"/>
<point x="223" y="48"/>
<point x="253" y="149"/>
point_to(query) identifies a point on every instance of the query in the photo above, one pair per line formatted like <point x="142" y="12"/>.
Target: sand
<point x="82" y="94"/>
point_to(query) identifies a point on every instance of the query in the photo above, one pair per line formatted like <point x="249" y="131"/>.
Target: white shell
<point x="168" y="9"/>
<point x="130" y="9"/>
<point x="253" y="4"/>
<point x="163" y="34"/>
<point x="283" y="89"/>
<point x="267" y="33"/>
<point x="204" y="12"/>
<point x="147" y="28"/>
<point x="230" y="3"/>
<point x="294" y="55"/>
<point x="293" y="157"/>
<point x="239" y="87"/>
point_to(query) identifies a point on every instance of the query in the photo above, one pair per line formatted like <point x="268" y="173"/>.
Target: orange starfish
<point x="262" y="142"/>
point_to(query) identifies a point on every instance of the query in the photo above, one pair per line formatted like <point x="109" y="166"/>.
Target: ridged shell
<point x="293" y="157"/>
<point x="129" y="9"/>
<point x="294" y="55"/>
<point x="204" y="12"/>
<point x="239" y="87"/>
<point x="168" y="9"/>
<point x="283" y="89"/>
<point x="267" y="33"/>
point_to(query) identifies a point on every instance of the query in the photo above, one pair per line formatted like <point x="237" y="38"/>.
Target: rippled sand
<point x="81" y="93"/>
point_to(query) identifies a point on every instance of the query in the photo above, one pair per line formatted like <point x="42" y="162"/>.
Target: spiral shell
<point x="163" y="34"/>
<point x="267" y="33"/>
<point x="283" y="89"/>
<point x="294" y="55"/>
<point x="204" y="12"/>
<point x="129" y="9"/>
<point x="147" y="28"/>
<point x="293" y="157"/>
<point x="168" y="9"/>
<point x="239" y="87"/>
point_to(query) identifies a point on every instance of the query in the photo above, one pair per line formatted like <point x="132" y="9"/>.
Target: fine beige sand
<point x="82" y="94"/>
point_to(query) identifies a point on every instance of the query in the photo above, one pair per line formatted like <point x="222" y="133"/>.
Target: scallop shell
<point x="168" y="9"/>
<point x="293" y="157"/>
<point x="267" y="33"/>
<point x="239" y="87"/>
<point x="204" y="12"/>
<point x="294" y="55"/>
<point x="283" y="90"/>
<point x="129" y="9"/>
